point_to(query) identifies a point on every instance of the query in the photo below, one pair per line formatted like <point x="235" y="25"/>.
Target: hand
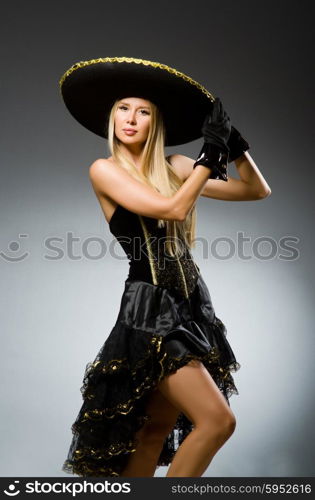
<point x="215" y="151"/>
<point x="217" y="127"/>
<point x="214" y="158"/>
<point x="237" y="144"/>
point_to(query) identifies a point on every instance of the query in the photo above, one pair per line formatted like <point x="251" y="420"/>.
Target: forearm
<point x="186" y="196"/>
<point x="251" y="175"/>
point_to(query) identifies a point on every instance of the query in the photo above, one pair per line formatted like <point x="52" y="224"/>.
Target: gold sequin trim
<point x="144" y="62"/>
<point x="114" y="365"/>
<point x="84" y="470"/>
<point x="192" y="270"/>
<point x="168" y="365"/>
<point x="148" y="245"/>
<point x="122" y="408"/>
<point x="183" y="277"/>
<point x="81" y="457"/>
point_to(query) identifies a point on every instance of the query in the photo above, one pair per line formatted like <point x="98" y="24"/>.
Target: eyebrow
<point x="122" y="102"/>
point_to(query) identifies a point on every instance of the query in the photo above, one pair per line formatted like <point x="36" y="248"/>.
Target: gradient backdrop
<point x="58" y="307"/>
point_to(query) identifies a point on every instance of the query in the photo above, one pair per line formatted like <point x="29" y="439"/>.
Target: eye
<point x="145" y="111"/>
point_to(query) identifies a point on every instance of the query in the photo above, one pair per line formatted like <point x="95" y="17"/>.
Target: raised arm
<point x="116" y="183"/>
<point x="249" y="187"/>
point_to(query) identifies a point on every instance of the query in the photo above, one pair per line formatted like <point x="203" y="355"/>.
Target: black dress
<point x="166" y="318"/>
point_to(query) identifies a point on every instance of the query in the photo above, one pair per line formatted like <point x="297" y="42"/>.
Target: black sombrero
<point x="90" y="88"/>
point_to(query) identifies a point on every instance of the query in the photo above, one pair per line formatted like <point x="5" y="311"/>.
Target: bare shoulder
<point x="102" y="173"/>
<point x="183" y="165"/>
<point x="99" y="165"/>
<point x="106" y="179"/>
<point x="104" y="169"/>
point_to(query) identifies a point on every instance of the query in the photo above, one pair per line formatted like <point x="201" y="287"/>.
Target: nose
<point x="131" y="117"/>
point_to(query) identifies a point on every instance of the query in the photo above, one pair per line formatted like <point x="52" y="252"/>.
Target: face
<point x="132" y="113"/>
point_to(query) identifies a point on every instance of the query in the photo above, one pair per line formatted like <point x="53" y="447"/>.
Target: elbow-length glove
<point x="236" y="144"/>
<point x="215" y="151"/>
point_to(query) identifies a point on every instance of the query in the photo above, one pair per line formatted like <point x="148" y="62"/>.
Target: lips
<point x="129" y="131"/>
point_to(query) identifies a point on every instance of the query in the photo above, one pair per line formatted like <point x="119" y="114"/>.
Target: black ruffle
<point x="156" y="333"/>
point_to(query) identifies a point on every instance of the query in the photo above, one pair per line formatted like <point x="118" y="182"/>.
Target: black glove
<point x="216" y="127"/>
<point x="215" y="151"/>
<point x="237" y="144"/>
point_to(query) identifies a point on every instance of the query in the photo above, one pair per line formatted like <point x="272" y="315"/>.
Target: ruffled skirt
<point x="156" y="332"/>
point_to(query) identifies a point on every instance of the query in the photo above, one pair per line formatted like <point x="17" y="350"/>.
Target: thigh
<point x="161" y="411"/>
<point x="192" y="390"/>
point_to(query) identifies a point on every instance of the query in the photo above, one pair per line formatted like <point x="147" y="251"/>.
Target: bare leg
<point x="143" y="462"/>
<point x="193" y="391"/>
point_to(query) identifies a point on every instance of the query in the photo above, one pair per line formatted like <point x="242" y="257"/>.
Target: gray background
<point x="58" y="309"/>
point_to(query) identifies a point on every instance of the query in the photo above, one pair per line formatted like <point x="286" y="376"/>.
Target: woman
<point x="157" y="392"/>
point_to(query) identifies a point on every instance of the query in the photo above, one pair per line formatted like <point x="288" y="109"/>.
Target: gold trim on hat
<point x="173" y="71"/>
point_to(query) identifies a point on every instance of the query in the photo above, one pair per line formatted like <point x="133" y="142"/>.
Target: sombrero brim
<point x="90" y="88"/>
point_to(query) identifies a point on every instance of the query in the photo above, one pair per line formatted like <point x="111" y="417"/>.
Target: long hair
<point x="158" y="173"/>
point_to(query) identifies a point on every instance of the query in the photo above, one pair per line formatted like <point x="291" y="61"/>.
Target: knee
<point x="229" y="424"/>
<point x="222" y="426"/>
<point x="226" y="425"/>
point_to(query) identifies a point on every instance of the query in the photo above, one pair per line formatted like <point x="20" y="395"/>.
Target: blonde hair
<point x="158" y="173"/>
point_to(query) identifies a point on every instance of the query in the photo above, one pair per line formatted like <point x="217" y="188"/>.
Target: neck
<point x="133" y="152"/>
